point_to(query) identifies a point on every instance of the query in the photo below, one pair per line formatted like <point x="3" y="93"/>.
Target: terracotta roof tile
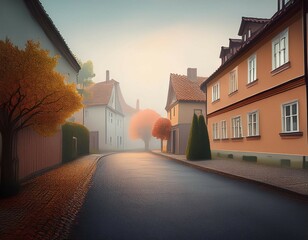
<point x="99" y="93"/>
<point x="186" y="90"/>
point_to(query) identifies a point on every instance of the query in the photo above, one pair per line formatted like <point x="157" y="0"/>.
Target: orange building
<point x="257" y="98"/>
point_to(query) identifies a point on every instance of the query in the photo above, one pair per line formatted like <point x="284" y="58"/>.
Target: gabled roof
<point x="274" y="22"/>
<point x="38" y="12"/>
<point x="99" y="93"/>
<point x="249" y="20"/>
<point x="224" y="51"/>
<point x="185" y="90"/>
<point x="127" y="110"/>
<point x="235" y="42"/>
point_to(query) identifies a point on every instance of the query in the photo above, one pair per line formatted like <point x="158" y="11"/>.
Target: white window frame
<point x="215" y="92"/>
<point x="253" y="124"/>
<point x="280" y="49"/>
<point x="223" y="127"/>
<point x="233" y="81"/>
<point x="215" y="131"/>
<point x="252" y="68"/>
<point x="237" y="129"/>
<point x="110" y="117"/>
<point x="249" y="33"/>
<point x="285" y="118"/>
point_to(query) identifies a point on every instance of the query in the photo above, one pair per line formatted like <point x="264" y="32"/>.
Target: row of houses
<point x="256" y="102"/>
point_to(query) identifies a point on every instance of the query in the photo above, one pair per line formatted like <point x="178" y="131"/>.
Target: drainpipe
<point x="304" y="7"/>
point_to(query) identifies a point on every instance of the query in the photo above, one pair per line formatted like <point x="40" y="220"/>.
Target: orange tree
<point x="32" y="94"/>
<point x="162" y="129"/>
<point x="141" y="126"/>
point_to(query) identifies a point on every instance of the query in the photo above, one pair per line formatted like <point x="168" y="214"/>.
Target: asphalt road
<point x="144" y="196"/>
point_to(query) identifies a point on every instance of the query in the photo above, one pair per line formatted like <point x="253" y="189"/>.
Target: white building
<point x="107" y="116"/>
<point x="20" y="21"/>
<point x="23" y="20"/>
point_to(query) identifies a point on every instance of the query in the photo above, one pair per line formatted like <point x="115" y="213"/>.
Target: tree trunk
<point x="146" y="144"/>
<point x="161" y="145"/>
<point x="9" y="164"/>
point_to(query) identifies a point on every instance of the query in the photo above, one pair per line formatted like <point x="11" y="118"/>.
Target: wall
<point x="186" y="111"/>
<point x="23" y="27"/>
<point x="173" y="115"/>
<point x="36" y="152"/>
<point x="270" y="126"/>
<point x="94" y="120"/>
<point x="266" y="79"/>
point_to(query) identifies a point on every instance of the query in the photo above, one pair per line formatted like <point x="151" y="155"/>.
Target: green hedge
<point x="81" y="134"/>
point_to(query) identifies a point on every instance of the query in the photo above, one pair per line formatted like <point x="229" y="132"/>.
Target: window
<point x="110" y="116"/>
<point x="215" y="92"/>
<point x="173" y="111"/>
<point x="290" y="118"/>
<point x="223" y="125"/>
<point x="253" y="123"/>
<point x="249" y="33"/>
<point x="282" y="4"/>
<point x="237" y="127"/>
<point x="252" y="69"/>
<point x="280" y="50"/>
<point x="198" y="112"/>
<point x="170" y="115"/>
<point x="215" y="131"/>
<point x="233" y="81"/>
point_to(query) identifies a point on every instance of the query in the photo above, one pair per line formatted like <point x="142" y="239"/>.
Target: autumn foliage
<point x="162" y="128"/>
<point x="32" y="94"/>
<point x="141" y="125"/>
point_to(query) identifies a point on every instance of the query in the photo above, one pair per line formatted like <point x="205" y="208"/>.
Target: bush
<point x="193" y="149"/>
<point x="198" y="146"/>
<point x="69" y="132"/>
<point x="204" y="141"/>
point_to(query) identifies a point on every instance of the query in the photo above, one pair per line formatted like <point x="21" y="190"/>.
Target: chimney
<point x="137" y="105"/>
<point x="192" y="74"/>
<point x="107" y="76"/>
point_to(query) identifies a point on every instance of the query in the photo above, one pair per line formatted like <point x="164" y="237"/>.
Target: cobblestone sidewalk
<point x="47" y="204"/>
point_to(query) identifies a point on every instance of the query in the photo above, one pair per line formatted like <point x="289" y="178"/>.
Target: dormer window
<point x="282" y="4"/>
<point x="249" y="33"/>
<point x="244" y="37"/>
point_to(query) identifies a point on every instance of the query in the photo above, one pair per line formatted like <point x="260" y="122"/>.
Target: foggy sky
<point x="142" y="41"/>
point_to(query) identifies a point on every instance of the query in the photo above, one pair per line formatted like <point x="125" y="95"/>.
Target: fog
<point x="142" y="42"/>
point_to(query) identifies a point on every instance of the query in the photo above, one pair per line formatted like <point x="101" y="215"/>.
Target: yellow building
<point x="184" y="99"/>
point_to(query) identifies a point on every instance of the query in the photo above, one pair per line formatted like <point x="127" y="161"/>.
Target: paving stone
<point x="48" y="204"/>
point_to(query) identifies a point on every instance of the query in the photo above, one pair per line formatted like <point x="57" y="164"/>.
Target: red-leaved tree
<point x="141" y="126"/>
<point x="162" y="129"/>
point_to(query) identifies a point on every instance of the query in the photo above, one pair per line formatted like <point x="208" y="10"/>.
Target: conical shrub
<point x="204" y="141"/>
<point x="193" y="149"/>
